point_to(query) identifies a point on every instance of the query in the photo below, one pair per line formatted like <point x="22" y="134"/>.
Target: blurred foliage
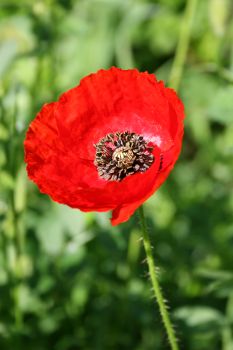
<point x="68" y="280"/>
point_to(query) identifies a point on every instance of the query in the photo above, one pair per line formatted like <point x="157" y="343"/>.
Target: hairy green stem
<point x="174" y="82"/>
<point x="155" y="284"/>
<point x="183" y="43"/>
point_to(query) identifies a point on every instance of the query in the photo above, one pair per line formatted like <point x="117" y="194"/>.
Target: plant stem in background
<point x="155" y="283"/>
<point x="182" y="47"/>
<point x="174" y="82"/>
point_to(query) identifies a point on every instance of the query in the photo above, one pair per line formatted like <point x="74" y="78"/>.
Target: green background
<point x="68" y="280"/>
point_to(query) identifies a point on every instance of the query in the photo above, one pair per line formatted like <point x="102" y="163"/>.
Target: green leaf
<point x="6" y="180"/>
<point x="163" y="32"/>
<point x="200" y="316"/>
<point x="4" y="133"/>
<point x="221" y="108"/>
<point x="58" y="223"/>
<point x="8" y="51"/>
<point x="219" y="12"/>
<point x="27" y="300"/>
<point x="20" y="190"/>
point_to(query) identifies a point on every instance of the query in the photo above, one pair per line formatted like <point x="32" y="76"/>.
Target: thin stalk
<point x="155" y="284"/>
<point x="17" y="241"/>
<point x="183" y="43"/>
<point x="174" y="82"/>
<point x="227" y="334"/>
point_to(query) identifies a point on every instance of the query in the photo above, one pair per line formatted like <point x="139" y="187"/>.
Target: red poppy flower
<point x="107" y="144"/>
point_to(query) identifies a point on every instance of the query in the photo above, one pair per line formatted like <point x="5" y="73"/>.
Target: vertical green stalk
<point x="155" y="284"/>
<point x="16" y="238"/>
<point x="174" y="82"/>
<point x="183" y="43"/>
<point x="227" y="334"/>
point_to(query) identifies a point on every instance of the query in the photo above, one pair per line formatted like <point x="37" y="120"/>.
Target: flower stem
<point x="183" y="43"/>
<point x="155" y="283"/>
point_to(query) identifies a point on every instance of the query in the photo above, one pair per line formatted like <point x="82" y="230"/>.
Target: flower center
<point x="122" y="154"/>
<point x="123" y="157"/>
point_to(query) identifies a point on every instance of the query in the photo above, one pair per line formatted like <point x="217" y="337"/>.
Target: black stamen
<point x="122" y="154"/>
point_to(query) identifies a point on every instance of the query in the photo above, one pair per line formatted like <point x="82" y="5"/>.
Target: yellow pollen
<point x="124" y="157"/>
